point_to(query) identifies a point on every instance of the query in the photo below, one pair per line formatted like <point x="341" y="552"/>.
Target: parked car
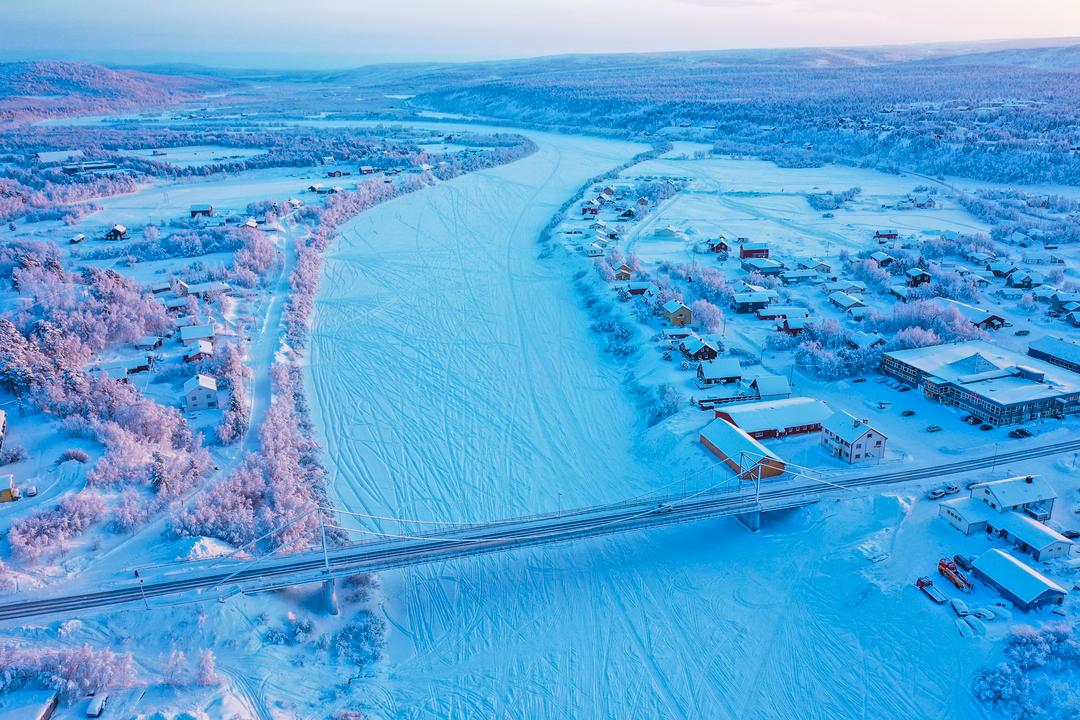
<point x="959" y="607"/>
<point x="1071" y="534"/>
<point x="1019" y="433"/>
<point x="933" y="428"/>
<point x="963" y="561"/>
<point x="952" y="489"/>
<point x="859" y="380"/>
<point x="97" y="705"/>
<point x="1022" y="332"/>
<point x="908" y="413"/>
<point x="971" y="419"/>
<point x="31" y="491"/>
<point x="663" y="508"/>
<point x="904" y="388"/>
<point x="936" y="494"/>
<point x="984" y="427"/>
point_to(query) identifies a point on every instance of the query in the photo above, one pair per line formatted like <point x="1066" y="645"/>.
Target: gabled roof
<point x="720" y="368"/>
<point x="1057" y="347"/>
<point x="769" y="385"/>
<point x="1020" y="579"/>
<point x="844" y="300"/>
<point x="673" y="306"/>
<point x="1030" y="531"/>
<point x="864" y="340"/>
<point x="736" y="444"/>
<point x="764" y="415"/>
<point x="202" y="347"/>
<point x="694" y="344"/>
<point x="751" y="297"/>
<point x="1017" y="491"/>
<point x="196" y="332"/>
<point x="204" y="382"/>
<point x="847" y="426"/>
<point x="916" y="272"/>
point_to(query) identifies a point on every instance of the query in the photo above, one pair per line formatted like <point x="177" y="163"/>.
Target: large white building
<point x="1000" y="386"/>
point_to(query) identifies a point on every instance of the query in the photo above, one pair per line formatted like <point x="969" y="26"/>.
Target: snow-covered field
<point x="453" y="377"/>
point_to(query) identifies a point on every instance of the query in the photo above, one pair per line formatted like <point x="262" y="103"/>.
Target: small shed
<point x="203" y="209"/>
<point x="117" y="232"/>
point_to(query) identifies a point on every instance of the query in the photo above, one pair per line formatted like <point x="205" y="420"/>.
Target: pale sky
<point x="338" y="33"/>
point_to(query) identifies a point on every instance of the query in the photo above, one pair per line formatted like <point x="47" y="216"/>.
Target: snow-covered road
<point x="452" y="376"/>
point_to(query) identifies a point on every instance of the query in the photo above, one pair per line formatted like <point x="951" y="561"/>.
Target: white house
<point x="1025" y="587"/>
<point x="851" y="439"/>
<point x="200" y="393"/>
<point x="1010" y="509"/>
<point x="192" y="334"/>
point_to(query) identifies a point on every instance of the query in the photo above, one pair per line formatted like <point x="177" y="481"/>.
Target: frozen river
<point x="453" y="376"/>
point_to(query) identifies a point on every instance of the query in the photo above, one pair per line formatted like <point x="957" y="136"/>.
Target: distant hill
<point x="31" y="90"/>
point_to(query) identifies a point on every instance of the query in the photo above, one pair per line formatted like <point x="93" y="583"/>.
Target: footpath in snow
<point x="452" y="377"/>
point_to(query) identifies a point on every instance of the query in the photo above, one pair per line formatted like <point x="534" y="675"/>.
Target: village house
<point x="749" y="302"/>
<point x="1024" y="279"/>
<point x="208" y="289"/>
<point x="850" y="439"/>
<point x="780" y="312"/>
<point x="857" y="313"/>
<point x="159" y="287"/>
<point x="753" y="250"/>
<point x="1020" y="584"/>
<point x="77" y="238"/>
<point x="1001" y="268"/>
<point x="202" y="350"/>
<point x="623" y="272"/>
<point x="764" y="266"/>
<point x="367" y="170"/>
<point x="192" y="334"/>
<point x="794" y="326"/>
<point x="770" y="387"/>
<point x="590" y="210"/>
<point x="776" y="418"/>
<point x="882" y="259"/>
<point x="980" y="258"/>
<point x="922" y="200"/>
<point x="117" y="232"/>
<point x="695" y="348"/>
<point x="980" y="318"/>
<point x="200" y="393"/>
<point x="148" y="342"/>
<point x="852" y="287"/>
<point x="901" y="292"/>
<point x="746" y="457"/>
<point x="1056" y="351"/>
<point x="718" y="245"/>
<point x="176" y="304"/>
<point x="860" y="340"/>
<point x="1000" y="386"/>
<point x="594" y="250"/>
<point x="719" y="371"/>
<point x="642" y="289"/>
<point x="818" y="266"/>
<point x="676" y="313"/>
<point x="844" y="301"/>
<point x="203" y="209"/>
<point x="797" y="277"/>
<point x="882" y="235"/>
<point x="916" y="277"/>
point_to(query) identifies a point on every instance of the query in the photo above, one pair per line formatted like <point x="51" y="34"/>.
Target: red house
<point x="753" y="250"/>
<point x="590" y="210"/>
<point x="719" y="245"/>
<point x="886" y="235"/>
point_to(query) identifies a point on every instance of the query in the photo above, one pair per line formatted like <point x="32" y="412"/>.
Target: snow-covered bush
<point x="73" y="672"/>
<point x="361" y="642"/>
<point x="47" y="530"/>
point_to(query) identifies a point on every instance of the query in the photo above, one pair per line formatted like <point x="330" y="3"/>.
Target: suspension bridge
<point x="220" y="578"/>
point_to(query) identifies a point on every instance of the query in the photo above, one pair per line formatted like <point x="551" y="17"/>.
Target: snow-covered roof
<point x="673" y="306"/>
<point x="916" y="272"/>
<point x="764" y="263"/>
<point x="720" y="368"/>
<point x="694" y="344"/>
<point x="844" y="300"/>
<point x="880" y="256"/>
<point x="976" y="315"/>
<point x="208" y="287"/>
<point x="786" y="310"/>
<point x="736" y="444"/>
<point x="197" y="332"/>
<point x="972" y="510"/>
<point x="769" y="385"/>
<point x="1021" y="580"/>
<point x="1030" y="531"/>
<point x="777" y="414"/>
<point x="146" y="341"/>
<point x="751" y="297"/>
<point x="24" y="704"/>
<point x="846" y="426"/>
<point x="1057" y="347"/>
<point x="1004" y="376"/>
<point x="797" y="323"/>
<point x="864" y="340"/>
<point x="119" y="228"/>
<point x="201" y="207"/>
<point x="1016" y="491"/>
<point x="204" y="347"/>
<point x="204" y="382"/>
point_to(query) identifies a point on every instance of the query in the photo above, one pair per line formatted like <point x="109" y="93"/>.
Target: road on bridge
<point x="225" y="577"/>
